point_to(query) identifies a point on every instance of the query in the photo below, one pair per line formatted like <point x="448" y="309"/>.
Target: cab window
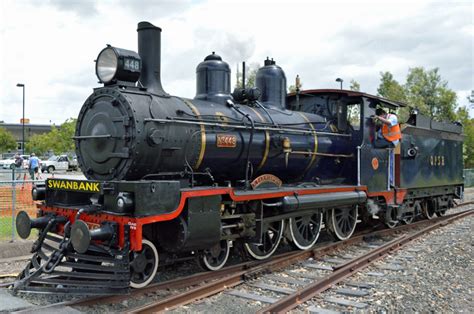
<point x="353" y="116"/>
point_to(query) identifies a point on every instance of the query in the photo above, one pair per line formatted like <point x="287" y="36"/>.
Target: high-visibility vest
<point x="391" y="133"/>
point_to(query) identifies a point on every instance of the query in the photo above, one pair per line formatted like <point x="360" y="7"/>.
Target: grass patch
<point x="6" y="230"/>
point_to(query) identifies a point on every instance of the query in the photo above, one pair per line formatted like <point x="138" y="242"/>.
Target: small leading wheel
<point x="342" y="221"/>
<point x="143" y="265"/>
<point x="215" y="257"/>
<point x="304" y="230"/>
<point x="272" y="234"/>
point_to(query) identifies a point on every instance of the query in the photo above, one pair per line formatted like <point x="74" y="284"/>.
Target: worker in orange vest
<point x="389" y="135"/>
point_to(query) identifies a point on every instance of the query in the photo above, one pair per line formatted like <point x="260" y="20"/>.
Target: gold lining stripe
<point x="315" y="141"/>
<point x="267" y="141"/>
<point x="203" y="134"/>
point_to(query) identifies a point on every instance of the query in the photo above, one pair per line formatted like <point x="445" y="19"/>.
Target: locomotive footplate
<point x="56" y="268"/>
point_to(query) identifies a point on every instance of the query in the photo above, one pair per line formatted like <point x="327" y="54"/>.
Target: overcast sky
<point x="50" y="45"/>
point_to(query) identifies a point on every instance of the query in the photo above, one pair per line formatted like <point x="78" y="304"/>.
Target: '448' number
<point x="132" y="65"/>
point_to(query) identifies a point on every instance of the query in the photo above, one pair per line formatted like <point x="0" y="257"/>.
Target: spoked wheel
<point x="429" y="209"/>
<point x="450" y="205"/>
<point x="272" y="234"/>
<point x="442" y="212"/>
<point x="342" y="221"/>
<point x="215" y="257"/>
<point x="143" y="265"/>
<point x="305" y="230"/>
<point x="391" y="218"/>
<point x="408" y="219"/>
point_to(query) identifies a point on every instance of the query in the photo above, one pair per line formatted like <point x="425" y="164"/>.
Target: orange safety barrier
<point x="23" y="200"/>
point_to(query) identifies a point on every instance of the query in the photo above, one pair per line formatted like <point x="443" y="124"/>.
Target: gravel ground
<point x="13" y="266"/>
<point x="436" y="275"/>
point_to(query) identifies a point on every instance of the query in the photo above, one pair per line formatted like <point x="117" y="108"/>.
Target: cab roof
<point x="350" y="93"/>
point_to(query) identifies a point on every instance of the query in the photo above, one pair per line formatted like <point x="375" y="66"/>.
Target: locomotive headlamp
<point x="116" y="64"/>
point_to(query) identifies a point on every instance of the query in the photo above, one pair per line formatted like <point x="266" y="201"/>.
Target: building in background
<point x="30" y="130"/>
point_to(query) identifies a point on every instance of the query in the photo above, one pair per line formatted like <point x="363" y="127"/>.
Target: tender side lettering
<point x="437" y="161"/>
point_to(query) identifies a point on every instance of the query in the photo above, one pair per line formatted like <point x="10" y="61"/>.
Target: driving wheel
<point x="271" y="236"/>
<point x="304" y="230"/>
<point x="215" y="257"/>
<point x="342" y="221"/>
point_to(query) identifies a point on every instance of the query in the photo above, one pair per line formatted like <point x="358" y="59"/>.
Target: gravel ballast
<point x="435" y="273"/>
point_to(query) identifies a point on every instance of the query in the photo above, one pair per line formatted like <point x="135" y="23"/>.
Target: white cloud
<point x="50" y="46"/>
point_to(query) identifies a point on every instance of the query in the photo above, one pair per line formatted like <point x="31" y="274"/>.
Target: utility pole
<point x="23" y="120"/>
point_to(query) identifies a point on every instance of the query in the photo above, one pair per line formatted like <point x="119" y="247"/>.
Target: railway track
<point x="198" y="286"/>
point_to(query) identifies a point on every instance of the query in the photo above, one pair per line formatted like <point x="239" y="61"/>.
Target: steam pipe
<point x="328" y="200"/>
<point x="149" y="49"/>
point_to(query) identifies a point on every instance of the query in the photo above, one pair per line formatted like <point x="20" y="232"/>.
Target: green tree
<point x="426" y="91"/>
<point x="58" y="140"/>
<point x="462" y="115"/>
<point x="389" y="88"/>
<point x="7" y="140"/>
<point x="355" y="86"/>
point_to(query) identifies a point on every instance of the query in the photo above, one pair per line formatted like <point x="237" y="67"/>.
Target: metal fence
<point x="15" y="196"/>
<point x="468" y="177"/>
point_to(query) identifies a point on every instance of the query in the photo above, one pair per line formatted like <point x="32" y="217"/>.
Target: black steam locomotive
<point x="170" y="177"/>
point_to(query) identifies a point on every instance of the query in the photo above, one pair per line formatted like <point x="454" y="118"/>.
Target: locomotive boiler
<point x="171" y="178"/>
<point x="128" y="132"/>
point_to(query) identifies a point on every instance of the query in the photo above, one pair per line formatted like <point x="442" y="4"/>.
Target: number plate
<point x="131" y="64"/>
<point x="225" y="140"/>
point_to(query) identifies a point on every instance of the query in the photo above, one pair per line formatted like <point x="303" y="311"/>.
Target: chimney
<point x="149" y="49"/>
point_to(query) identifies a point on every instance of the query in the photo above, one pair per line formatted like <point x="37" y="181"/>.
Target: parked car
<point x="9" y="162"/>
<point x="8" y="155"/>
<point x="62" y="162"/>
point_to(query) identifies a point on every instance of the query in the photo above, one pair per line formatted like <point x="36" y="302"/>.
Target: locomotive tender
<point x="169" y="176"/>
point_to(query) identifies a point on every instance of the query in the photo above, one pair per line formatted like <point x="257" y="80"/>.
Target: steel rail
<point x="293" y="300"/>
<point x="237" y="278"/>
<point x="176" y="283"/>
<point x="241" y="271"/>
<point x="192" y="294"/>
